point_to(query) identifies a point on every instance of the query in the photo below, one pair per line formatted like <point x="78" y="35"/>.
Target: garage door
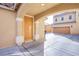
<point x="63" y="30"/>
<point x="48" y="29"/>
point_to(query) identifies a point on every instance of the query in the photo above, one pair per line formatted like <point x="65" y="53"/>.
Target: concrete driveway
<point x="61" y="45"/>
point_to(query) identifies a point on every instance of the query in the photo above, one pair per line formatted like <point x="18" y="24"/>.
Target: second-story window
<point x="70" y="17"/>
<point x="62" y="18"/>
<point x="56" y="19"/>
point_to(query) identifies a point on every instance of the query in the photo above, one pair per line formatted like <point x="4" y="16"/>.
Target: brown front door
<point x="28" y="28"/>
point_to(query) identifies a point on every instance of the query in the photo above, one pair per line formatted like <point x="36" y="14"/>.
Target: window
<point x="62" y="18"/>
<point x="70" y="17"/>
<point x="56" y="19"/>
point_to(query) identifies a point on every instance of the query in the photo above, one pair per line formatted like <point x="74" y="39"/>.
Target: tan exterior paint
<point x="75" y="28"/>
<point x="20" y="30"/>
<point x="7" y="28"/>
<point x="39" y="32"/>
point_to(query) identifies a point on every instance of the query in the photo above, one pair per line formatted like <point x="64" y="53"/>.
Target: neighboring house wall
<point x="66" y="22"/>
<point x="7" y="28"/>
<point x="65" y="17"/>
<point x="75" y="29"/>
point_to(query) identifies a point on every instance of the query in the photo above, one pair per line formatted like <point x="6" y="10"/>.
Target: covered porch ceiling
<point x="33" y="9"/>
<point x="38" y="9"/>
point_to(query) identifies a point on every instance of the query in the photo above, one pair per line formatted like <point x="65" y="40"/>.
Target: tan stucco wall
<point x="20" y="23"/>
<point x="40" y="28"/>
<point x="7" y="28"/>
<point x="20" y="31"/>
<point x="75" y="29"/>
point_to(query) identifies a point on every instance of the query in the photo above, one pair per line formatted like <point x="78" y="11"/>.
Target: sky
<point x="49" y="20"/>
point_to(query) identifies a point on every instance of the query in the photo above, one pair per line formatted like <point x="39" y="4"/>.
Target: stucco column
<point x="20" y="36"/>
<point x="39" y="32"/>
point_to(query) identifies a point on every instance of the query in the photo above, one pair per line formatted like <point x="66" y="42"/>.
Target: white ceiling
<point x="33" y="8"/>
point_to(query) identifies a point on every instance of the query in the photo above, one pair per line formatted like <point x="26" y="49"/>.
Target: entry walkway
<point x="34" y="48"/>
<point x="14" y="51"/>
